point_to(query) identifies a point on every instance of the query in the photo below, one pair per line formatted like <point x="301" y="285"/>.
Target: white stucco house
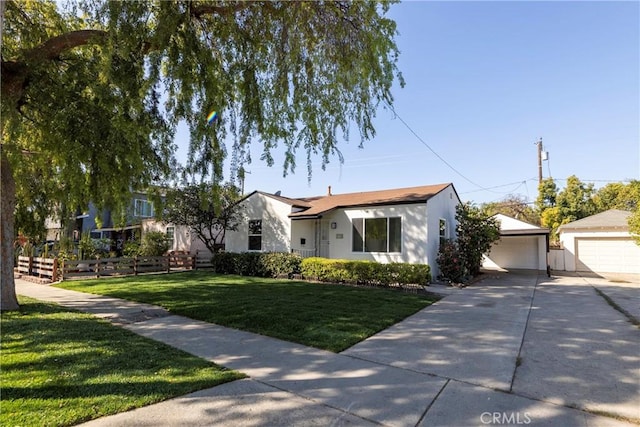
<point x="181" y="239"/>
<point x="600" y="243"/>
<point x="398" y="225"/>
<point x="521" y="246"/>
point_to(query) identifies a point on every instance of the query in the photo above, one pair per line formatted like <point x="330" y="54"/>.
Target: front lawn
<point x="330" y="317"/>
<point x="60" y="367"/>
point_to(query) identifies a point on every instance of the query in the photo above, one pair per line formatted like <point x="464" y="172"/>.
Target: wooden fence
<point x="44" y="268"/>
<point x="52" y="269"/>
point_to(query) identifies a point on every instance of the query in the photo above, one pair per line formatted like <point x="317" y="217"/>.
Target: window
<point x="143" y="208"/>
<point x="377" y="234"/>
<point x="171" y="231"/>
<point x="255" y="235"/>
<point x="442" y="226"/>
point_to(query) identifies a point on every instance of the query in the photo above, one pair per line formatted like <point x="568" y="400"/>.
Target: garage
<point x="600" y="243"/>
<point x="608" y="255"/>
<point x="522" y="246"/>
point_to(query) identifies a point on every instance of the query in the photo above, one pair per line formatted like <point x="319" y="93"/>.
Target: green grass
<point x="60" y="367"/>
<point x="329" y="317"/>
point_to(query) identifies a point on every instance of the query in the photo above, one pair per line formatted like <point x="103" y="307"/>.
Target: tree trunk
<point x="8" y="298"/>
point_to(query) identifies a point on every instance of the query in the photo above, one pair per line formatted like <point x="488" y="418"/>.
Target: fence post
<point x="135" y="265"/>
<point x="98" y="268"/>
<point x="54" y="272"/>
<point x="168" y="263"/>
<point x="30" y="266"/>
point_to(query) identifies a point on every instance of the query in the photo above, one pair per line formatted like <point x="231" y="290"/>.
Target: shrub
<point x="258" y="264"/>
<point x="131" y="248"/>
<point x="365" y="272"/>
<point x="451" y="262"/>
<point x="154" y="243"/>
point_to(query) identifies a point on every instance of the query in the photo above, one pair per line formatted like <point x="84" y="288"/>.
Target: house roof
<point x="611" y="219"/>
<point x="514" y="227"/>
<point x="321" y="204"/>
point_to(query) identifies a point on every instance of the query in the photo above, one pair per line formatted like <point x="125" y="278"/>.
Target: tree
<point x="617" y="195"/>
<point x="476" y="233"/>
<point x="207" y="210"/>
<point x="634" y="225"/>
<point x="575" y="201"/>
<point x="547" y="194"/>
<point x="92" y="94"/>
<point x="514" y="206"/>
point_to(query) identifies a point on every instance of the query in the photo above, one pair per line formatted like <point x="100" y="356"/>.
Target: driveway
<point x="510" y="350"/>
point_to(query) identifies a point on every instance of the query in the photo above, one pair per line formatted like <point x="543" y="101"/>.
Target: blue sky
<point x="485" y="81"/>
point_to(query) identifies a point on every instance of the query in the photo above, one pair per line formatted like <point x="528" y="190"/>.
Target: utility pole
<point x="539" y="144"/>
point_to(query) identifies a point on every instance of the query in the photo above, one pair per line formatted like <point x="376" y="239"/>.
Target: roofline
<point x="526" y="232"/>
<point x="295" y="215"/>
<point x="595" y="227"/>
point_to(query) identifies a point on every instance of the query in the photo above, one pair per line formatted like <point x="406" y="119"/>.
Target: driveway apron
<point x="579" y="351"/>
<point x="472" y="336"/>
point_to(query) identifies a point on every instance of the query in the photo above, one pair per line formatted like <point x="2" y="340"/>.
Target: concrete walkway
<point x="451" y="364"/>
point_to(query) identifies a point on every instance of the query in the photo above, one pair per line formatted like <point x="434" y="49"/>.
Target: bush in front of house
<point x="258" y="264"/>
<point x="451" y="263"/>
<point x="154" y="243"/>
<point x="365" y="272"/>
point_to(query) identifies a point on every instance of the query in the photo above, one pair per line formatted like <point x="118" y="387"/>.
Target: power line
<point x="433" y="151"/>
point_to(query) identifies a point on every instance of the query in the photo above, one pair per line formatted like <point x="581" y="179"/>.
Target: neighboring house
<point x="138" y="218"/>
<point x="400" y="225"/>
<point x="181" y="239"/>
<point x="521" y="246"/>
<point x="600" y="243"/>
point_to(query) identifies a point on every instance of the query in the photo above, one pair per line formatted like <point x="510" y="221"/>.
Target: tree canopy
<point x="92" y="93"/>
<point x="208" y="211"/>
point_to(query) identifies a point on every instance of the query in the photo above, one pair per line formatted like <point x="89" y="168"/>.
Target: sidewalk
<point x="440" y="367"/>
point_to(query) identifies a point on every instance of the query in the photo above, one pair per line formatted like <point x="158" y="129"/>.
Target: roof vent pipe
<point x="329" y="191"/>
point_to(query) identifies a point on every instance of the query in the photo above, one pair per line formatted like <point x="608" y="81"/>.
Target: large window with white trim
<point x="376" y="234"/>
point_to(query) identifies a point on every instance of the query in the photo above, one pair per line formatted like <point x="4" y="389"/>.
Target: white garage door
<point x="608" y="255"/>
<point x="515" y="252"/>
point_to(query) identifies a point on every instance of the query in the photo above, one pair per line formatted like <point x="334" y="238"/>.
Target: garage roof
<point x="611" y="219"/>
<point x="514" y="227"/>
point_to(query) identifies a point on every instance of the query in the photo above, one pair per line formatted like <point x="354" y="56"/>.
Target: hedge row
<point x="365" y="272"/>
<point x="257" y="264"/>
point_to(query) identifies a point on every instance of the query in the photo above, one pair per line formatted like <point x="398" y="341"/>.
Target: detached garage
<point x="601" y="244"/>
<point x="521" y="246"/>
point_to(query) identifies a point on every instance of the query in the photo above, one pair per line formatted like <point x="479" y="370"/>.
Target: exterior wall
<point x="441" y="206"/>
<point x="183" y="240"/>
<point x="568" y="241"/>
<point x="276" y="225"/>
<point x="519" y="252"/>
<point x="413" y="243"/>
<point x="304" y="229"/>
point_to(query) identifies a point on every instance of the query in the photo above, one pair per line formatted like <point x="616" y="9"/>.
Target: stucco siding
<point x="276" y="226"/>
<point x="570" y="241"/>
<point x="518" y="252"/>
<point x="441" y="206"/>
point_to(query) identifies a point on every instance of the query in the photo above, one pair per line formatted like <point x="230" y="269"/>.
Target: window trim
<point x="140" y="213"/>
<point x="443" y="238"/>
<point x="363" y="245"/>
<point x="250" y="235"/>
<point x="172" y="235"/>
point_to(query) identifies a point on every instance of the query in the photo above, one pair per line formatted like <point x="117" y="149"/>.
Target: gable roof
<point x="613" y="218"/>
<point x="322" y="204"/>
<point x="510" y="226"/>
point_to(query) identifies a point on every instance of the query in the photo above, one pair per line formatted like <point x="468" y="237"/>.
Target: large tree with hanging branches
<point x="92" y="93"/>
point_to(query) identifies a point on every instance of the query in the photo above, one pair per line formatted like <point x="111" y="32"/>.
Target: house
<point x="600" y="243"/>
<point x="138" y="218"/>
<point x="398" y="225"/>
<point x="521" y="246"/>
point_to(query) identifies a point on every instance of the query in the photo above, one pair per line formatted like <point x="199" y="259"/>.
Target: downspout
<point x="548" y="249"/>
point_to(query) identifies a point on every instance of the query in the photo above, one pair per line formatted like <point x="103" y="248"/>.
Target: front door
<point x="324" y="239"/>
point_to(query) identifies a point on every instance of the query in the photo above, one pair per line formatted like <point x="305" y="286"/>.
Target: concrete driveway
<point x="514" y="349"/>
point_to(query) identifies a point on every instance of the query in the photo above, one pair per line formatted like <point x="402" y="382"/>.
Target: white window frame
<point x="171" y="234"/>
<point x="364" y="234"/>
<point x="443" y="237"/>
<point x="250" y="235"/>
<point x="140" y="207"/>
